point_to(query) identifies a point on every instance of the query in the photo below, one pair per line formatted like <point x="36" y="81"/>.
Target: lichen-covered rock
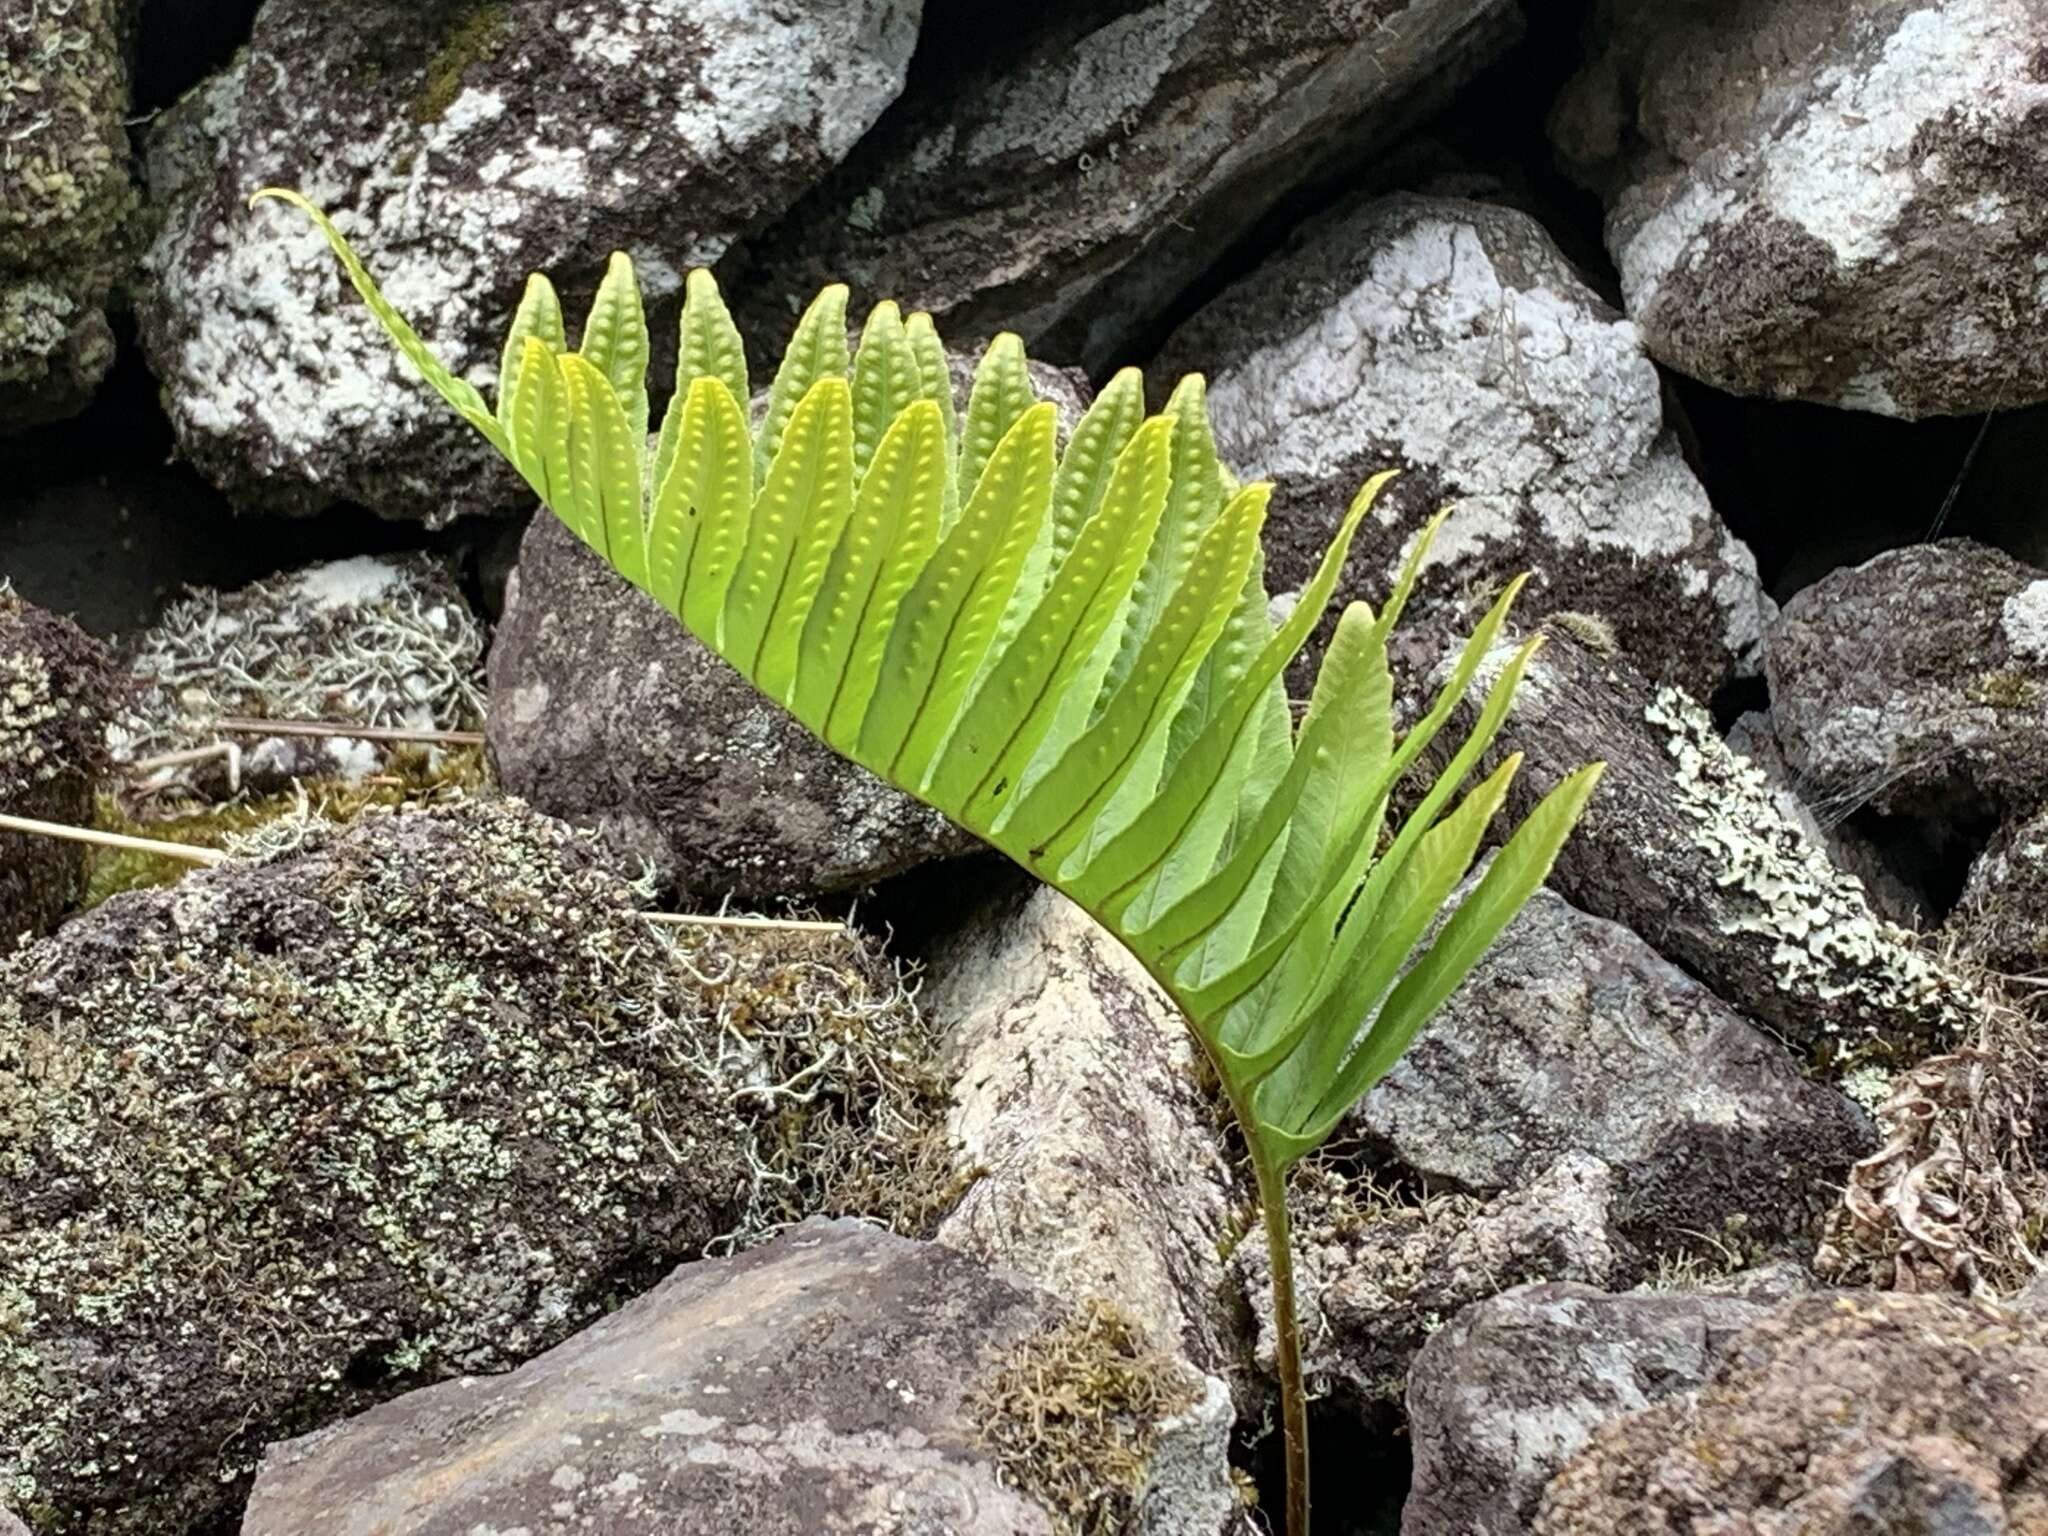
<point x="57" y="690"/>
<point x="836" y="1381"/>
<point x="289" y="1137"/>
<point x="1378" y="1274"/>
<point x="1100" y="1165"/>
<point x="1072" y="190"/>
<point x="2002" y="919"/>
<point x="1573" y="1035"/>
<point x="1917" y="683"/>
<point x="1685" y="843"/>
<point x="606" y="711"/>
<point x="462" y="146"/>
<point x="1834" y="201"/>
<point x="65" y="200"/>
<point x="1834" y="1416"/>
<point x="1503" y="1394"/>
<point x="377" y="641"/>
<point x="1451" y="340"/>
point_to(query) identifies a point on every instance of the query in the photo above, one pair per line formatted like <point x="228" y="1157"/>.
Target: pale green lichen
<point x="1826" y="941"/>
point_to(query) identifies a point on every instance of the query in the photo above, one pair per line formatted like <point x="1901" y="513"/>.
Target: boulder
<point x="1378" y="1272"/>
<point x="2002" y="919"/>
<point x="292" y="1136"/>
<point x="65" y="202"/>
<point x="1836" y="1416"/>
<point x="1073" y="186"/>
<point x="384" y="641"/>
<point x="1573" y="1035"/>
<point x="1839" y="202"/>
<point x="1098" y="1163"/>
<point x="1503" y="1394"/>
<point x="57" y="690"/>
<point x="1917" y="684"/>
<point x="461" y="147"/>
<point x="606" y="711"/>
<point x="1684" y="843"/>
<point x="837" y="1380"/>
<point x="1452" y="341"/>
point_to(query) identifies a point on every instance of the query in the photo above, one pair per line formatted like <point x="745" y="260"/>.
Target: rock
<point x="1835" y="1415"/>
<point x="1509" y="1389"/>
<point x="292" y="1136"/>
<point x="461" y="147"/>
<point x="1573" y="1035"/>
<point x="606" y="711"/>
<point x="65" y="202"/>
<point x="375" y="640"/>
<point x="2002" y="919"/>
<point x="1838" y="202"/>
<point x="1073" y="188"/>
<point x="1451" y="339"/>
<point x="1377" y="1274"/>
<point x="1917" y="684"/>
<point x="11" y="1526"/>
<point x="1101" y="1167"/>
<point x="1684" y="843"/>
<point x="838" y="1380"/>
<point x="57" y="690"/>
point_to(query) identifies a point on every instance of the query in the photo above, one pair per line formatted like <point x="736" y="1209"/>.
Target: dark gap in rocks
<point x="1812" y="488"/>
<point x="1488" y="143"/>
<point x="180" y="42"/>
<point x="1933" y="857"/>
<point x="1737" y="697"/>
<point x="912" y="912"/>
<point x="1360" y="1472"/>
<point x="963" y="37"/>
<point x="100" y="520"/>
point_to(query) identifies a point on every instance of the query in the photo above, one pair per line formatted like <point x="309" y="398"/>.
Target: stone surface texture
<point x="461" y="147"/>
<point x="1071" y="190"/>
<point x="1835" y="1416"/>
<point x="826" y="1383"/>
<point x="2002" y="918"/>
<point x="1452" y="341"/>
<point x="289" y="1137"/>
<point x="1829" y="200"/>
<point x="58" y="689"/>
<point x="65" y="200"/>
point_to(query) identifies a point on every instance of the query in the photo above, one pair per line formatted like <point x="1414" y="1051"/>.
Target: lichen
<point x="1072" y="1413"/>
<point x="1826" y="941"/>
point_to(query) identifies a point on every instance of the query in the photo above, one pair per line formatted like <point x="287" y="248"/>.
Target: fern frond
<point x="1067" y="651"/>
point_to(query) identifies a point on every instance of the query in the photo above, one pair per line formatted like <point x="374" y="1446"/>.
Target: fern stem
<point x="1272" y="1181"/>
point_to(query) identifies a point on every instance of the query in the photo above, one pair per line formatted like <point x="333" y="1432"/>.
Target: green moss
<point x="2006" y="690"/>
<point x="475" y="32"/>
<point x="1072" y="1416"/>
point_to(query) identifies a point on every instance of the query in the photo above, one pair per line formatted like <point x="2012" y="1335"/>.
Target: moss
<point x="1071" y="1416"/>
<point x="413" y="776"/>
<point x="475" y="32"/>
<point x="2006" y="690"/>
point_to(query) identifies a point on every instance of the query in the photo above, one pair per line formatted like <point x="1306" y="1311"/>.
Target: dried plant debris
<point x="1072" y="1416"/>
<point x="1956" y="1198"/>
<point x="374" y="640"/>
<point x="833" y="1069"/>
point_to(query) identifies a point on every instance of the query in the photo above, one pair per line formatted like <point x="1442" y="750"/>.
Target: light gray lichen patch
<point x="1826" y="941"/>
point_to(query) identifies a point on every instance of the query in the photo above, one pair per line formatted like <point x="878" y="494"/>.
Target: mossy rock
<point x="289" y="1137"/>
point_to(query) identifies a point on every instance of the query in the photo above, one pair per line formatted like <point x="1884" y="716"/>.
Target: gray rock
<point x="838" y="1380"/>
<point x="1835" y="1416"/>
<point x="1835" y="201"/>
<point x="385" y="641"/>
<point x="1917" y="683"/>
<point x="1510" y="1388"/>
<point x="11" y="1525"/>
<point x="65" y="202"/>
<point x="1377" y="1274"/>
<point x="1573" y="1035"/>
<point x="57" y="691"/>
<point x="460" y="148"/>
<point x="606" y="711"/>
<point x="1101" y="1170"/>
<point x="1451" y="340"/>
<point x="2002" y="919"/>
<point x="1072" y="190"/>
<point x="289" y="1137"/>
<point x="1685" y="843"/>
